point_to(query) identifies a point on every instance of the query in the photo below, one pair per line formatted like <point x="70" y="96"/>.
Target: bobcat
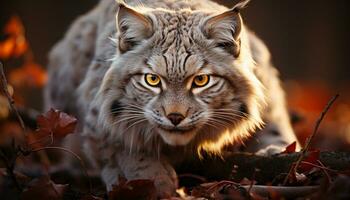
<point x="156" y="81"/>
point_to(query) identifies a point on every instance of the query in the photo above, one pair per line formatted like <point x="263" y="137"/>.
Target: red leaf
<point x="290" y="148"/>
<point x="44" y="188"/>
<point x="38" y="139"/>
<point x="133" y="190"/>
<point x="57" y="123"/>
<point x="312" y="157"/>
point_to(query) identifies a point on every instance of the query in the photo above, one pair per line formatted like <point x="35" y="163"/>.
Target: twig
<point x="4" y="87"/>
<point x="324" y="169"/>
<point x="73" y="154"/>
<point x="252" y="182"/>
<point x="305" y="150"/>
<point x="319" y="166"/>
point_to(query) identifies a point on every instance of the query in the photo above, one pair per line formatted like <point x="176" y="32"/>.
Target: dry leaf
<point x="58" y="123"/>
<point x="54" y="124"/>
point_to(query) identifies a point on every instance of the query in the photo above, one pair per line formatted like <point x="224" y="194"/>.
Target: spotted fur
<point x="97" y="72"/>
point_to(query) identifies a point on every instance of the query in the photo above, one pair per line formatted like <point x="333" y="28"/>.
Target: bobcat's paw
<point x="270" y="150"/>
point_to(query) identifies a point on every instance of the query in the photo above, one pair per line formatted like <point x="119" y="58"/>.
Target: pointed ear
<point x="133" y="27"/>
<point x="225" y="29"/>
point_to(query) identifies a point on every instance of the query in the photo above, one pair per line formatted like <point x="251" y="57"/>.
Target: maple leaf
<point x="39" y="139"/>
<point x="44" y="188"/>
<point x="54" y="124"/>
<point x="290" y="148"/>
<point x="133" y="190"/>
<point x="57" y="123"/>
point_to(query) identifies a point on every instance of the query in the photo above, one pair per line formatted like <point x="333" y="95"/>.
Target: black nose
<point x="175" y="118"/>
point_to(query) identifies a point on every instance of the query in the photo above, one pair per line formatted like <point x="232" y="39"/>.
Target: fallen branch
<point x="269" y="167"/>
<point x="290" y="192"/>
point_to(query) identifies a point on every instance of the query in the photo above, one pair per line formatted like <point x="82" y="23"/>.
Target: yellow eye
<point x="201" y="80"/>
<point x="152" y="80"/>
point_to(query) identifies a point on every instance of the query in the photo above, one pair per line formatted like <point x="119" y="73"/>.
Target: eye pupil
<point x="201" y="80"/>
<point x="152" y="80"/>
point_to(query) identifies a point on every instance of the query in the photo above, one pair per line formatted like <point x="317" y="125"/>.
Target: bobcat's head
<point x="181" y="76"/>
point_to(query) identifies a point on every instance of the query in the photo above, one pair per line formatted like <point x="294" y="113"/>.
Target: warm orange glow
<point x="30" y="74"/>
<point x="308" y="99"/>
<point x="14" y="26"/>
<point x="15" y="45"/>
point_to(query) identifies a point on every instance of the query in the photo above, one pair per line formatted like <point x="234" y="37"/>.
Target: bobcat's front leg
<point x="142" y="167"/>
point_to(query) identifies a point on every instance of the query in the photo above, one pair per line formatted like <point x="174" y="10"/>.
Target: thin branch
<point x="4" y="87"/>
<point x="305" y="150"/>
<point x="319" y="166"/>
<point x="318" y="122"/>
<point x="324" y="169"/>
<point x="73" y="154"/>
<point x="252" y="182"/>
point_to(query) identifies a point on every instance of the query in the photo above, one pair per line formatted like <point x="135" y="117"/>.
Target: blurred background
<point x="309" y="41"/>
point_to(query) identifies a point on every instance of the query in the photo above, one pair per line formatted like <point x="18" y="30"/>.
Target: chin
<point x="177" y="138"/>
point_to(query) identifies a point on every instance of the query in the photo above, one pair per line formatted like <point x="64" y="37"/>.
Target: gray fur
<point x="124" y="121"/>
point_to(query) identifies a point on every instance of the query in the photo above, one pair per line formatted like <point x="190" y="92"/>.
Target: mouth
<point x="177" y="130"/>
<point x="177" y="136"/>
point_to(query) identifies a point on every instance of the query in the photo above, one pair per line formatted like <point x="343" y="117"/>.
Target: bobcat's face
<point x="182" y="76"/>
<point x="188" y="97"/>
